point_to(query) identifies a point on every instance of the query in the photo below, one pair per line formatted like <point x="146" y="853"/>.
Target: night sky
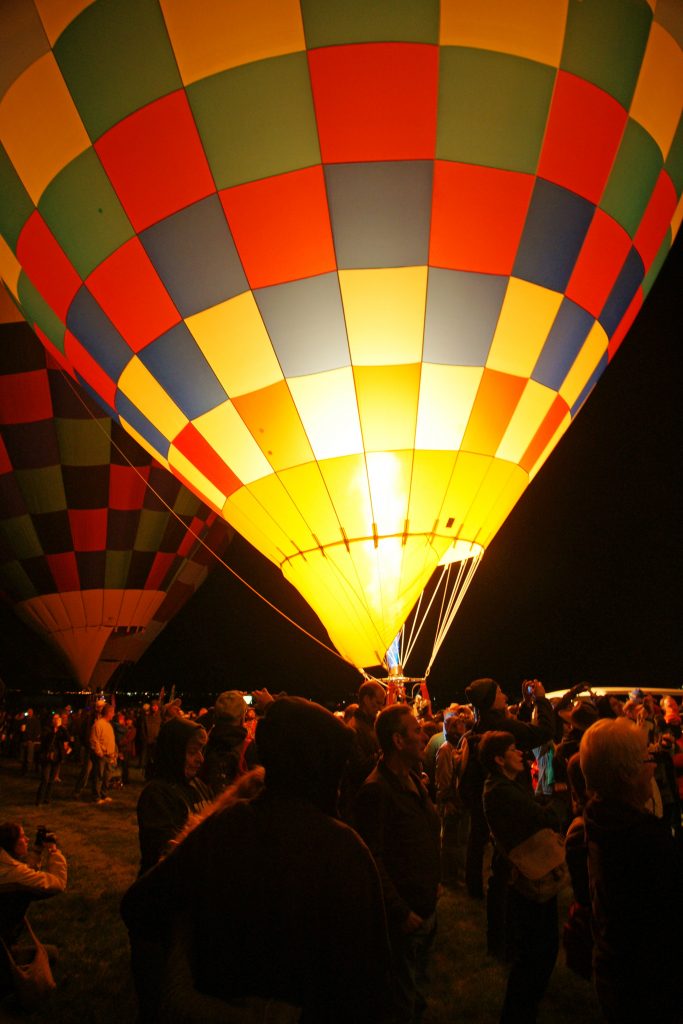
<point x="582" y="582"/>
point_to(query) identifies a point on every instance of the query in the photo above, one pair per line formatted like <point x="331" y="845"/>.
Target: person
<point x="88" y="717"/>
<point x="229" y="752"/>
<point x="515" y="817"/>
<point x="103" y="753"/>
<point x="490" y="707"/>
<point x="274" y="899"/>
<point x="30" y="733"/>
<point x="452" y="812"/>
<point x="20" y="884"/>
<point x="148" y="731"/>
<point x="397" y="819"/>
<point x="576" y="935"/>
<point x="635" y="879"/>
<point x="175" y="791"/>
<point x="54" y="747"/>
<point x="365" y="751"/>
<point x="125" y="732"/>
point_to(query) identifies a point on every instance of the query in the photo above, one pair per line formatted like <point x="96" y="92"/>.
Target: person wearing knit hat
<point x="230" y="751"/>
<point x="232" y="705"/>
<point x="482" y="694"/>
<point x="276" y="901"/>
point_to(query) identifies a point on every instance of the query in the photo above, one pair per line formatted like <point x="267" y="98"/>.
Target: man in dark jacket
<point x="271" y="898"/>
<point x="395" y="815"/>
<point x="364" y="753"/>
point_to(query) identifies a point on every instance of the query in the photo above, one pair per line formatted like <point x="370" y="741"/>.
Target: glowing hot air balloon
<point x="348" y="269"/>
<point x="90" y="556"/>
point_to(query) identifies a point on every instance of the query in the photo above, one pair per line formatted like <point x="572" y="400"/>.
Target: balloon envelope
<point x="348" y="269"/>
<point x="90" y="557"/>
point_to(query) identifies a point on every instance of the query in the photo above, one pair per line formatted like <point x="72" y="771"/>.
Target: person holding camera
<point x="25" y="877"/>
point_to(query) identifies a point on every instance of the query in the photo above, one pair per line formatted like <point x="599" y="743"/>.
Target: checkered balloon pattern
<point x="348" y="269"/>
<point x="99" y="545"/>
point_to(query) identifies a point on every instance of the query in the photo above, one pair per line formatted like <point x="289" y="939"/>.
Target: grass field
<point x="94" y="984"/>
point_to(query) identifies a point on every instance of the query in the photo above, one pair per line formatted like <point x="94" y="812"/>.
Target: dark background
<point x="582" y="582"/>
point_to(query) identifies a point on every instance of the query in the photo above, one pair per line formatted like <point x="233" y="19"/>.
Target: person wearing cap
<point x="270" y="901"/>
<point x="229" y="752"/>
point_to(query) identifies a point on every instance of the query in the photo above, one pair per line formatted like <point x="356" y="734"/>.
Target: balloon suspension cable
<point x="451" y="595"/>
<point x="203" y="543"/>
<point x="466" y="573"/>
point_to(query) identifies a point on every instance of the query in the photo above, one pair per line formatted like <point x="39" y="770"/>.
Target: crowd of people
<point x="284" y="853"/>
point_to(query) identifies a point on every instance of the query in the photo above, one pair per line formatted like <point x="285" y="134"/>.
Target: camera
<point x="528" y="689"/>
<point x="44" y="836"/>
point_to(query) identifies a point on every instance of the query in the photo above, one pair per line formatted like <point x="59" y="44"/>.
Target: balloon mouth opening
<point x="460" y="551"/>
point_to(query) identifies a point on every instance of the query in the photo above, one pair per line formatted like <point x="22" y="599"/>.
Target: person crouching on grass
<point x="24" y="877"/>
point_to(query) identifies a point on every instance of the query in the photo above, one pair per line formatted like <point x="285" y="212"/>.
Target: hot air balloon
<point x="349" y="270"/>
<point x="99" y="546"/>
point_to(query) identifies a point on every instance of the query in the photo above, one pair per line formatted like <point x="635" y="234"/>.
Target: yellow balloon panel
<point x="346" y="480"/>
<point x="447" y="394"/>
<point x="656" y="103"/>
<point x="527" y="315"/>
<point x="387" y="404"/>
<point x="272" y="418"/>
<point x="216" y="34"/>
<point x="528" y="28"/>
<point x="327" y="405"/>
<point x="384" y="312"/>
<point x="39" y="104"/>
<point x="235" y="342"/>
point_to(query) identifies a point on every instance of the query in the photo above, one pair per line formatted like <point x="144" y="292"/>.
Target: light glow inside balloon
<point x="348" y="269"/>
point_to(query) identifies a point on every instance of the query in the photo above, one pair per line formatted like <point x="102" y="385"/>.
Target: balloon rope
<point x="418" y="622"/>
<point x="459" y="591"/>
<point x="200" y="540"/>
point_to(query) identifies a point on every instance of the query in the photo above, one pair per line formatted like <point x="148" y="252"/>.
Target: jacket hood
<point x="169" y="756"/>
<point x="303" y="749"/>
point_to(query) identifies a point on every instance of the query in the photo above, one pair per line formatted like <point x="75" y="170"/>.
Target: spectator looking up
<point x="515" y="818"/>
<point x="397" y="819"/>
